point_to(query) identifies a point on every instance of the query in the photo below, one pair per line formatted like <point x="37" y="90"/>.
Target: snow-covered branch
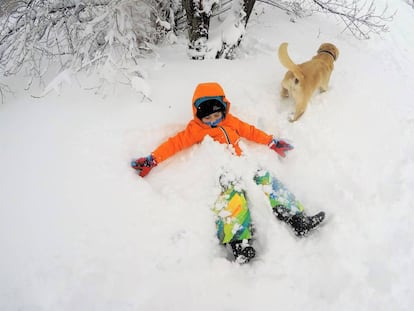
<point x="81" y="35"/>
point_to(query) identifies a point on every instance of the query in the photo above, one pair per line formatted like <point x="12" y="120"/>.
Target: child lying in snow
<point x="212" y="117"/>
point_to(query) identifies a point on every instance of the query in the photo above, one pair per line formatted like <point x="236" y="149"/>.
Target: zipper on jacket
<point x="225" y="134"/>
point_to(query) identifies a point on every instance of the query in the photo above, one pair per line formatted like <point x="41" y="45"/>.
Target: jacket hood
<point x="209" y="90"/>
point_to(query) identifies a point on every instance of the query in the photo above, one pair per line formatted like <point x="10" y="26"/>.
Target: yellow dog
<point x="302" y="80"/>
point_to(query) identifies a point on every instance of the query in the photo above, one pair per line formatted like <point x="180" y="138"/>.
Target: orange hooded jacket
<point x="228" y="131"/>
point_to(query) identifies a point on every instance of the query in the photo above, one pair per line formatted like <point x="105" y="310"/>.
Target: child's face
<point x="211" y="118"/>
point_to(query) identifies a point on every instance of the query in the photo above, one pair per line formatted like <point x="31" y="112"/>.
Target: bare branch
<point x="3" y="90"/>
<point x="295" y="8"/>
<point x="360" y="19"/>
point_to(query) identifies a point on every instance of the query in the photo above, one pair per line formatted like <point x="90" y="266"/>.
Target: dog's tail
<point x="288" y="63"/>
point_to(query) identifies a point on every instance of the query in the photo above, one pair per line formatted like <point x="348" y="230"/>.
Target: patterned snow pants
<point x="233" y="220"/>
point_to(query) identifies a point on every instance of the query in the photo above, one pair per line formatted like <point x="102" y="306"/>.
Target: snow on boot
<point x="282" y="213"/>
<point x="302" y="224"/>
<point x="243" y="252"/>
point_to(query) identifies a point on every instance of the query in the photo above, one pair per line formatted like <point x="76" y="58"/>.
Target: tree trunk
<point x="242" y="17"/>
<point x="248" y="8"/>
<point x="198" y="21"/>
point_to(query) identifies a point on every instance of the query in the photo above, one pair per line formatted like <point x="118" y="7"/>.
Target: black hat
<point x="208" y="107"/>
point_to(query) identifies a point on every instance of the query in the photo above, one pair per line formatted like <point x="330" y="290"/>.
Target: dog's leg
<point x="301" y="104"/>
<point x="324" y="85"/>
<point x="323" y="88"/>
<point x="295" y="116"/>
<point x="284" y="92"/>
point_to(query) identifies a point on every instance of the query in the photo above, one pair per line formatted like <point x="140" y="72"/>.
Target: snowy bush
<point x="81" y="35"/>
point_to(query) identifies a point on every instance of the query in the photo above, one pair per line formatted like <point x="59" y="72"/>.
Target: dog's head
<point x="329" y="48"/>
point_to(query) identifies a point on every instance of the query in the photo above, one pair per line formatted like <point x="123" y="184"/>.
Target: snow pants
<point x="233" y="221"/>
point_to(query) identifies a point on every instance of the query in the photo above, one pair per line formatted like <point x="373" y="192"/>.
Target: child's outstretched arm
<point x="280" y="146"/>
<point x="182" y="140"/>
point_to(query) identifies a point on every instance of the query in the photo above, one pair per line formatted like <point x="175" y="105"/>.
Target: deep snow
<point x="79" y="230"/>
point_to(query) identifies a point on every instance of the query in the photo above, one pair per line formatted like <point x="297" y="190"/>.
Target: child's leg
<point x="278" y="194"/>
<point x="233" y="221"/>
<point x="285" y="205"/>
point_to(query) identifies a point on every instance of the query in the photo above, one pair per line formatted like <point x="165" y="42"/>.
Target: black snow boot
<point x="242" y="251"/>
<point x="301" y="223"/>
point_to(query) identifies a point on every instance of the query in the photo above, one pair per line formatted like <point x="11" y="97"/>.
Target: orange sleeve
<point x="182" y="140"/>
<point x="250" y="132"/>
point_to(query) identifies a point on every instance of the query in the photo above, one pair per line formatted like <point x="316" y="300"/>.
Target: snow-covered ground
<point x="79" y="230"/>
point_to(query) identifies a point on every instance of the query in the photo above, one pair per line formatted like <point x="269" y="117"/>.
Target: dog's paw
<point x="284" y="93"/>
<point x="296" y="115"/>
